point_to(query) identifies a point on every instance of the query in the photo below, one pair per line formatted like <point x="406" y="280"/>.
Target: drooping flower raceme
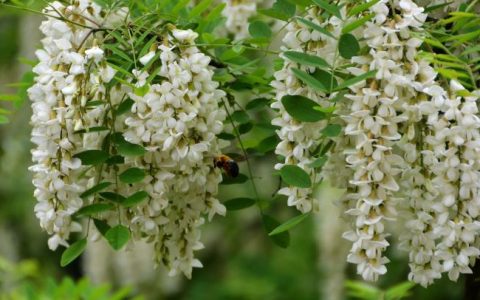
<point x="375" y="121"/>
<point x="300" y="139"/>
<point x="79" y="114"/>
<point x="177" y="121"/>
<point x="58" y="103"/>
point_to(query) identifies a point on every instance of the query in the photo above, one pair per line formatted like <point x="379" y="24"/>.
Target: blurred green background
<point x="240" y="261"/>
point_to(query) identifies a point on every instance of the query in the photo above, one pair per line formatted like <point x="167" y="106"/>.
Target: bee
<point x="229" y="165"/>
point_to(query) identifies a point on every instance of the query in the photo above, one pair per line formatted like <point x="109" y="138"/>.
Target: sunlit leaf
<point x="132" y="175"/>
<point x="238" y="203"/>
<point x="94" y="209"/>
<point x="282" y="239"/>
<point x="309" y="80"/>
<point x="135" y="198"/>
<point x="348" y="46"/>
<point x="92" y="157"/>
<point x="295" y="176"/>
<point x="289" y="224"/>
<point x="117" y="236"/>
<point x="306" y="59"/>
<point x="72" y="252"/>
<point x="302" y="108"/>
<point x="259" y="29"/>
<point x="95" y="189"/>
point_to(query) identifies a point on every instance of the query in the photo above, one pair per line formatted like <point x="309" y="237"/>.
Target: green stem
<point x="250" y="173"/>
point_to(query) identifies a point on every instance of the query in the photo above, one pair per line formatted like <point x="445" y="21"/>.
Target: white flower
<point x="147" y="58"/>
<point x="94" y="53"/>
<point x="187" y="36"/>
<point x="237" y="14"/>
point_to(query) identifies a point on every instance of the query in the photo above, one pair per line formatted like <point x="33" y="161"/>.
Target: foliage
<point x="24" y="280"/>
<point x="244" y="68"/>
<point x="361" y="290"/>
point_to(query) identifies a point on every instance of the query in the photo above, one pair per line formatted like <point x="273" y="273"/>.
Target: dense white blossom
<point x="177" y="121"/>
<point x="375" y="121"/>
<point x="300" y="139"/>
<point x="58" y="104"/>
<point x="237" y="13"/>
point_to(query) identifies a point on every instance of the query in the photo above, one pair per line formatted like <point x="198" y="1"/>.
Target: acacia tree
<point x="134" y="100"/>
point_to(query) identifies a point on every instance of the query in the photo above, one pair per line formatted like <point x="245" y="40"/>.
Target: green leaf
<point x="361" y="290"/>
<point x="101" y="226"/>
<point x="134" y="199"/>
<point x="115" y="160"/>
<point x="128" y="149"/>
<point x="462" y="38"/>
<point x="241" y="178"/>
<point x="435" y="7"/>
<point x="238" y="203"/>
<point x="306" y="59"/>
<point x="198" y="9"/>
<point x="282" y="239"/>
<point x="302" y="108"/>
<point x="94" y="209"/>
<point x="281" y="9"/>
<point x="326" y="79"/>
<point x="92" y="157"/>
<point x="181" y="4"/>
<point x="115" y="50"/>
<point x="332" y="130"/>
<point x="326" y="110"/>
<point x="357" y="23"/>
<point x="94" y="103"/>
<point x="257" y="103"/>
<point x="309" y="80"/>
<point x="331" y="9"/>
<point x="348" y="46"/>
<point x="132" y="175"/>
<point x="112" y="196"/>
<point x="226" y="136"/>
<point x="92" y="129"/>
<point x="355" y="80"/>
<point x="240" y="117"/>
<point x="399" y="291"/>
<point x="124" y="107"/>
<point x="259" y="29"/>
<point x="318" y="163"/>
<point x="9" y="97"/>
<point x="267" y="144"/>
<point x="117" y="236"/>
<point x="315" y="27"/>
<point x="209" y="22"/>
<point x="72" y="252"/>
<point x="362" y="7"/>
<point x="231" y="54"/>
<point x="95" y="189"/>
<point x="289" y="224"/>
<point x="295" y="176"/>
<point x="244" y="128"/>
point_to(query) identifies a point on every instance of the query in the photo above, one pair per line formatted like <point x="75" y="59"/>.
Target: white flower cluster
<point x="300" y="139"/>
<point x="237" y="13"/>
<point x="410" y="147"/>
<point x="442" y="235"/>
<point x="416" y="153"/>
<point x="177" y="121"/>
<point x="62" y="86"/>
<point x="176" y="116"/>
<point x="374" y="121"/>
